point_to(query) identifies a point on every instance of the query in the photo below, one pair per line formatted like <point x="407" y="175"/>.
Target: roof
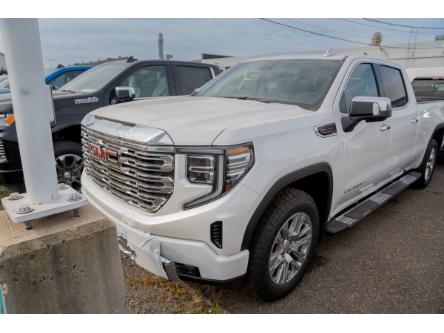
<point x="299" y="56"/>
<point x="418" y="72"/>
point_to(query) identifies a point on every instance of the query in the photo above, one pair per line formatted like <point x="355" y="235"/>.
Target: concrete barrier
<point x="65" y="264"/>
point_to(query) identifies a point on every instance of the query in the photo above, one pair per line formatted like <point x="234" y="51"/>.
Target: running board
<point x="364" y="208"/>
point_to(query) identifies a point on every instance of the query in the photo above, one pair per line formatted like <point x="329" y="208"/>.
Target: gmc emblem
<point x="103" y="153"/>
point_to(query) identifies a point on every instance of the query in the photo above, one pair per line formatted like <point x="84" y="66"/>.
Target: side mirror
<point x="370" y="109"/>
<point x="124" y="94"/>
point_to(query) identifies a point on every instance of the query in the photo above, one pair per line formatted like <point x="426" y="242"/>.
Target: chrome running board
<point x="357" y="212"/>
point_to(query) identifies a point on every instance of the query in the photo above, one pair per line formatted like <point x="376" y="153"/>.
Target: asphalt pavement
<point x="390" y="262"/>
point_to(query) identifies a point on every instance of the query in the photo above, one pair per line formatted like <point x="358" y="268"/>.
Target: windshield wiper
<point x="67" y="90"/>
<point x="246" y="98"/>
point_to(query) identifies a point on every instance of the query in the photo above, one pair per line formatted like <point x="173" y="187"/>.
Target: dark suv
<point x="110" y="83"/>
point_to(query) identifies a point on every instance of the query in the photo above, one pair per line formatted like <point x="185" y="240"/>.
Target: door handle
<point x="385" y="127"/>
<point x="414" y="121"/>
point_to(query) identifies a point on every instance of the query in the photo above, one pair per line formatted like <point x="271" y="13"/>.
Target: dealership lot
<point x="391" y="262"/>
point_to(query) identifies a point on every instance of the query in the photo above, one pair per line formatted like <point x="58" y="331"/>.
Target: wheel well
<point x="319" y="188"/>
<point x="71" y="133"/>
<point x="318" y="184"/>
<point x="439" y="137"/>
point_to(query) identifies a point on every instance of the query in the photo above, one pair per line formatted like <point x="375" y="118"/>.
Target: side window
<point x="148" y="81"/>
<point x="362" y="82"/>
<point x="189" y="78"/>
<point x="394" y="87"/>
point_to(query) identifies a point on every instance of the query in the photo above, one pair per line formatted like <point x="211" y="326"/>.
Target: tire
<point x="269" y="243"/>
<point x="69" y="163"/>
<point x="428" y="165"/>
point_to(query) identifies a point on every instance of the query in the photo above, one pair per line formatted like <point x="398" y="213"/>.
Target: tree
<point x="3" y="71"/>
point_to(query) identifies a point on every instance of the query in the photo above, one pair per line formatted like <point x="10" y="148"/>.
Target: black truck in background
<point x="109" y="83"/>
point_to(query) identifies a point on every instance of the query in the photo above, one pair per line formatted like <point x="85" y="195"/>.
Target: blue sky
<point x="71" y="40"/>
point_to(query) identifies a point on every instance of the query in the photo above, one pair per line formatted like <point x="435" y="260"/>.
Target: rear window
<point x="428" y="88"/>
<point x="394" y="87"/>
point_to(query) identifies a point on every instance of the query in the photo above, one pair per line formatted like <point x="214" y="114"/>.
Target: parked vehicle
<point x="110" y="83"/>
<point x="55" y="78"/>
<point x="241" y="178"/>
<point x="428" y="83"/>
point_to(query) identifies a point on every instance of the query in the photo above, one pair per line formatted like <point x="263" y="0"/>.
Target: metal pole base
<point x="20" y="209"/>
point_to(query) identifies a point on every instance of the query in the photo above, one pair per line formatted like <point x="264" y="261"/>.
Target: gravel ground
<point x="391" y="262"/>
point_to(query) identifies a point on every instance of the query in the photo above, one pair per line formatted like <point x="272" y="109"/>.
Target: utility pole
<point x="33" y="111"/>
<point x="160" y="46"/>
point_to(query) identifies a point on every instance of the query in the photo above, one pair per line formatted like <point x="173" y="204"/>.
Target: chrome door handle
<point x="385" y="127"/>
<point x="414" y="121"/>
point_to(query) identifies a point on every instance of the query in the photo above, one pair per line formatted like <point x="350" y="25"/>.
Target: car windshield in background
<point x="429" y="89"/>
<point x="303" y="82"/>
<point x="95" y="78"/>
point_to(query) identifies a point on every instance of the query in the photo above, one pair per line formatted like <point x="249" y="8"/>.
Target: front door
<point x="365" y="150"/>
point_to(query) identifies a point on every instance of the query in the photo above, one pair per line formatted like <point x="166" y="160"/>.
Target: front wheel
<point x="69" y="163"/>
<point x="284" y="244"/>
<point x="428" y="165"/>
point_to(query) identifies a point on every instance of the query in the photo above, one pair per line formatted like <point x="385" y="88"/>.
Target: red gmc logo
<point x="103" y="153"/>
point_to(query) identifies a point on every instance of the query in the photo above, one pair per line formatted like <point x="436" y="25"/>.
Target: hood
<point x="196" y="120"/>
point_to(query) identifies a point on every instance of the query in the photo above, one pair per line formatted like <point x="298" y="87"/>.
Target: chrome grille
<point x="133" y="172"/>
<point x="2" y="151"/>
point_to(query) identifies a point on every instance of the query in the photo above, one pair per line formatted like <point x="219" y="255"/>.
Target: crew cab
<point x="241" y="178"/>
<point x="109" y="83"/>
<point x="54" y="77"/>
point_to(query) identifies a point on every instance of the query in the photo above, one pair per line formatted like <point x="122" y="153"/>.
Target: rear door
<point x="404" y="122"/>
<point x="188" y="78"/>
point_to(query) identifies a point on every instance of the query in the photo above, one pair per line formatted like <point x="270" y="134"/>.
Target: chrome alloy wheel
<point x="290" y="248"/>
<point x="430" y="164"/>
<point x="69" y="170"/>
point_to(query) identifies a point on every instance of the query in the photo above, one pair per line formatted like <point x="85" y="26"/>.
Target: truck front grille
<point x="129" y="170"/>
<point x="2" y="151"/>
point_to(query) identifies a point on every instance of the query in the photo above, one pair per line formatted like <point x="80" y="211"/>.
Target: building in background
<point x="424" y="54"/>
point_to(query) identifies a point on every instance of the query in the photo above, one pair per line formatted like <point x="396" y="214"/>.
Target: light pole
<point x="33" y="111"/>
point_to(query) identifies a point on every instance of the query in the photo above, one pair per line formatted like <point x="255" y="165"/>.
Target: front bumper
<point x="168" y="256"/>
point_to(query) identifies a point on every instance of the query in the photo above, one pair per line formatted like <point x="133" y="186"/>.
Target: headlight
<point x="222" y="168"/>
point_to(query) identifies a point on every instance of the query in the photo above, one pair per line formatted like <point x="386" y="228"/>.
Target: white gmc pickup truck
<point x="242" y="177"/>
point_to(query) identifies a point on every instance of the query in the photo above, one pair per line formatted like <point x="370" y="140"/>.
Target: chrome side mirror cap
<point x="124" y="94"/>
<point x="371" y="108"/>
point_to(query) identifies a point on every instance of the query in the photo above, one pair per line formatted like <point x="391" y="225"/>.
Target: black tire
<point x="287" y="203"/>
<point x="73" y="162"/>
<point x="427" y="175"/>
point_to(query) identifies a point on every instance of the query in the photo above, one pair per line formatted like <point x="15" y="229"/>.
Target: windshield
<point x="429" y="88"/>
<point x="302" y="82"/>
<point x="95" y="78"/>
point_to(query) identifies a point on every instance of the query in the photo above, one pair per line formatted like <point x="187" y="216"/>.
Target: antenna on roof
<point x="329" y="53"/>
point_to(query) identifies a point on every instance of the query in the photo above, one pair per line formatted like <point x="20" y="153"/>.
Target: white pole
<point x="32" y="104"/>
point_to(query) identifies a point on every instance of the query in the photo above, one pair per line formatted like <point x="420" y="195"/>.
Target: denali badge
<point x="91" y="99"/>
<point x="103" y="153"/>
